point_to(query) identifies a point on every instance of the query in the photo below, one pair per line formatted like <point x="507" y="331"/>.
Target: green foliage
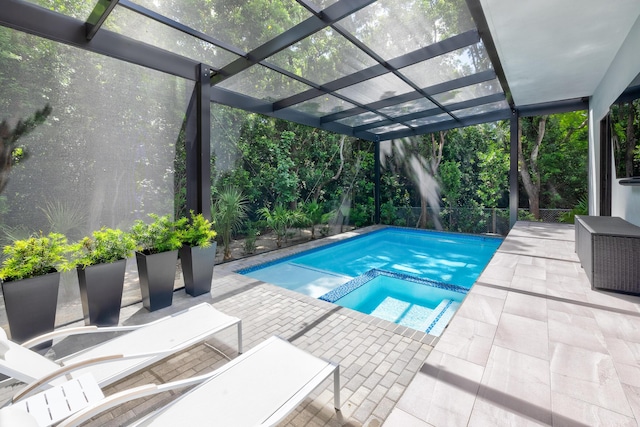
<point x="388" y="213"/>
<point x="160" y="235"/>
<point x="313" y="212"/>
<point x="525" y="215"/>
<point x="279" y="220"/>
<point x="450" y="177"/>
<point x="196" y="231"/>
<point x="467" y="218"/>
<point x="582" y="208"/>
<point x="625" y="127"/>
<point x="36" y="256"/>
<point x="493" y="168"/>
<point x="229" y="211"/>
<point x="249" y="245"/>
<point x="105" y="246"/>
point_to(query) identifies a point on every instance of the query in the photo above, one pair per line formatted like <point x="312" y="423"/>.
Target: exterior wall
<point x="625" y="67"/>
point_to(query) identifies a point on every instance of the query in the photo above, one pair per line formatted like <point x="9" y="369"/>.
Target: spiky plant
<point x="229" y="210"/>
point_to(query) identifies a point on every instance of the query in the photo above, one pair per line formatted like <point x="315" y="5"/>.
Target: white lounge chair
<point x="116" y="358"/>
<point x="53" y="405"/>
<point x="259" y="388"/>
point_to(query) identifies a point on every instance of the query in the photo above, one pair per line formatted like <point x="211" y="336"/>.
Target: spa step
<point x="441" y="316"/>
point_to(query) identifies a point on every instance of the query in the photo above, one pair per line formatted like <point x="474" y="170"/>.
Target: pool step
<point x="440" y="317"/>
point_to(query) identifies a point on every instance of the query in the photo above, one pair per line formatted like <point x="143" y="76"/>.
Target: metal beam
<point x="493" y="116"/>
<point x="480" y="77"/>
<point x="475" y="102"/>
<point x="198" y="149"/>
<point x="513" y="168"/>
<point x="477" y="13"/>
<point x="98" y="15"/>
<point x="411" y="58"/>
<point x="247" y="103"/>
<point x="30" y="18"/>
<point x="311" y="25"/>
<point x="555" y="107"/>
<point x="376" y="193"/>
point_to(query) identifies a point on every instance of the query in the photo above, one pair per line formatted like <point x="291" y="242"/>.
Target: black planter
<point x="157" y="273"/>
<point x="31" y="306"/>
<point x="101" y="288"/>
<point x="197" y="268"/>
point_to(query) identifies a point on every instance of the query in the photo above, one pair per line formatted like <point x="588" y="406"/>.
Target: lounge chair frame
<point x="227" y="395"/>
<point x="119" y="357"/>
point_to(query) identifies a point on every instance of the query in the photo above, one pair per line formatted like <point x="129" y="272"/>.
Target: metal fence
<point x="477" y="221"/>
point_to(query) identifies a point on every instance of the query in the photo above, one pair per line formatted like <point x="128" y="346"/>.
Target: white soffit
<point x="554" y="50"/>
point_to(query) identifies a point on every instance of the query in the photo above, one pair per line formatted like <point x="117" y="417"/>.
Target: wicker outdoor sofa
<point x="609" y="251"/>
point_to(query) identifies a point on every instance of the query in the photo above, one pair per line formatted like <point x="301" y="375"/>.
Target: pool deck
<point x="532" y="344"/>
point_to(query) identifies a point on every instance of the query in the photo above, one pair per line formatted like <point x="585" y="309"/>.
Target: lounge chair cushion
<point x="259" y="388"/>
<point x="185" y="328"/>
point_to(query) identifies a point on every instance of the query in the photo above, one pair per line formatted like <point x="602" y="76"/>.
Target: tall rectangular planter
<point x="157" y="273"/>
<point x="101" y="289"/>
<point x="197" y="268"/>
<point x="31" y="306"/>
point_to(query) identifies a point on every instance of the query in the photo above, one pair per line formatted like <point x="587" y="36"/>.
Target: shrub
<point x="35" y="256"/>
<point x="105" y="246"/>
<point x="161" y="235"/>
<point x="197" y="232"/>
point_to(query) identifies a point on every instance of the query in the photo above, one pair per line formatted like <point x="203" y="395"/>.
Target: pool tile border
<point x="337" y="293"/>
<point x="438" y="317"/>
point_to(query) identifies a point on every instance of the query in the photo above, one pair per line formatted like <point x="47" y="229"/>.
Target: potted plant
<point x="156" y="255"/>
<point x="30" y="277"/>
<point x="198" y="253"/>
<point x="100" y="261"/>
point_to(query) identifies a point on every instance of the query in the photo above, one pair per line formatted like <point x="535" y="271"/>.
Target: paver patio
<point x="532" y="344"/>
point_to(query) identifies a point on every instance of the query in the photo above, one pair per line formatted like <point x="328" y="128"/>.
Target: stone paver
<point x="532" y="344"/>
<point x="377" y="361"/>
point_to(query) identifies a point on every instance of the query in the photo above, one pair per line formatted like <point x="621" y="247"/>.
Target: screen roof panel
<point x="323" y="105"/>
<point x="79" y="10"/>
<point x="138" y="27"/>
<point x="263" y="83"/>
<point x="323" y="57"/>
<point x="395" y="27"/>
<point x="244" y="24"/>
<point x="370" y="68"/>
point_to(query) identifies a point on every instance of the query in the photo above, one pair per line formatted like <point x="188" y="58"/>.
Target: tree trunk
<point x="529" y="170"/>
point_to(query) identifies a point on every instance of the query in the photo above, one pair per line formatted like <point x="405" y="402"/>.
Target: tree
<point x="552" y="154"/>
<point x="493" y="167"/>
<point x="528" y="165"/>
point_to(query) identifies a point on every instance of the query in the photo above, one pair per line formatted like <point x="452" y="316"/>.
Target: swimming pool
<point x="411" y="277"/>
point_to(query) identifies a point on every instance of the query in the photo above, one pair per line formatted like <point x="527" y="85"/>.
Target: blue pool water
<point x="410" y="277"/>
